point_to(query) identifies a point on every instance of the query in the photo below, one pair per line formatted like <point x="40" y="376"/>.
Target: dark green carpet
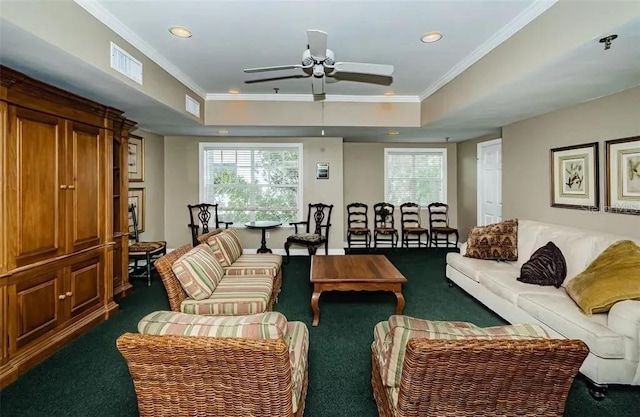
<point x="88" y="377"/>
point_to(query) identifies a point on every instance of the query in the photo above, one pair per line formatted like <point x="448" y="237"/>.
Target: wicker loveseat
<point x="250" y="285"/>
<point x="189" y="365"/>
<point x="458" y="369"/>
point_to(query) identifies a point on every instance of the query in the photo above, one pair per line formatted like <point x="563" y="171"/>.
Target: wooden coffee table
<point x="354" y="273"/>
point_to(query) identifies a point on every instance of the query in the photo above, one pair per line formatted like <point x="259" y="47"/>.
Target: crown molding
<point x="103" y="15"/>
<point x="309" y="97"/>
<point x="521" y="20"/>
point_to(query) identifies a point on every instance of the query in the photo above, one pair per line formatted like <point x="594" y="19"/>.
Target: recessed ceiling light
<point x="234" y="91"/>
<point x="389" y="93"/>
<point x="223" y="132"/>
<point x="180" y="31"/>
<point x="431" y="37"/>
<point x="393" y="133"/>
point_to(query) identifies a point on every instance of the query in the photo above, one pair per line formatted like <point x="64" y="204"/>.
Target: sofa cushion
<point x="527" y="233"/>
<point x="297" y="338"/>
<point x="403" y="328"/>
<point x="235" y="295"/>
<point x="256" y="264"/>
<point x="561" y="314"/>
<point x="546" y="267"/>
<point x="199" y="272"/>
<point x="226" y="247"/>
<point x="472" y="267"/>
<point x="613" y="276"/>
<point x="496" y="241"/>
<point x="505" y="285"/>
<point x="268" y="325"/>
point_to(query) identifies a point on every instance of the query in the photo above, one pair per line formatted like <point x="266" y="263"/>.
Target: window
<point x="417" y="175"/>
<point x="252" y="181"/>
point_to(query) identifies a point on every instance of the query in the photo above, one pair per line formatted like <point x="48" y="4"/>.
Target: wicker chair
<point x="209" y="376"/>
<point x="176" y="293"/>
<point x="481" y="378"/>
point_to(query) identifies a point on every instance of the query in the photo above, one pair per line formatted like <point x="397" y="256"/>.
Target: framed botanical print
<point x="574" y="177"/>
<point x="136" y="197"/>
<point x="135" y="159"/>
<point x="623" y="175"/>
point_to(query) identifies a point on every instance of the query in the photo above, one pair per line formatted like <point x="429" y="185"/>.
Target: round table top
<point x="262" y="224"/>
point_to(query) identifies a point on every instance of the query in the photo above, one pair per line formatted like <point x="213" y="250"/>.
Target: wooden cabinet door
<point x="85" y="147"/>
<point x="84" y="288"/>
<point x="34" y="198"/>
<point x="35" y="305"/>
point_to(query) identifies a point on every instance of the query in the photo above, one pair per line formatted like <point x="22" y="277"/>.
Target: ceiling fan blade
<point x="359" y="77"/>
<point x="373" y="69"/>
<point x="277" y="68"/>
<point x="317" y="85"/>
<point x="317" y="43"/>
<point x="286" y="77"/>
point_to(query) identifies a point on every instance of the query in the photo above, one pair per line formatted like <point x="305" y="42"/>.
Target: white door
<point x="489" y="182"/>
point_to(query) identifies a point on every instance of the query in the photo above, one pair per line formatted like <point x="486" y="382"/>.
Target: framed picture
<point x="135" y="160"/>
<point x="136" y="197"/>
<point x="623" y="175"/>
<point x="574" y="177"/>
<point x="322" y="170"/>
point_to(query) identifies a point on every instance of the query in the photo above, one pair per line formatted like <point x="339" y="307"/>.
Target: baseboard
<point x="293" y="252"/>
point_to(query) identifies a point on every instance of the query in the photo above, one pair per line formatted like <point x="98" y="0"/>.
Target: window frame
<point x="442" y="151"/>
<point x="202" y="146"/>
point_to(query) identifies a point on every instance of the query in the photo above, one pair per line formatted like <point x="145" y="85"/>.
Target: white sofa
<point x="613" y="338"/>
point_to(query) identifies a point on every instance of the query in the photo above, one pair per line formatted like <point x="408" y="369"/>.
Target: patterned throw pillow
<point x="199" y="272"/>
<point x="497" y="241"/>
<point x="547" y="266"/>
<point x="226" y="247"/>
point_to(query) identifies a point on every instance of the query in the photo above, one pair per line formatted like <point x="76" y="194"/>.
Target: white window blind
<point x="252" y="181"/>
<point x="415" y="175"/>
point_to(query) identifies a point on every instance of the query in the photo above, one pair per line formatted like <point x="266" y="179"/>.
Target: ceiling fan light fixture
<point x="234" y="91"/>
<point x="431" y="37"/>
<point x="389" y="93"/>
<point x="180" y="31"/>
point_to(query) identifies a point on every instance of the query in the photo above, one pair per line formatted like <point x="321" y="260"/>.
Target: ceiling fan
<point x="318" y="63"/>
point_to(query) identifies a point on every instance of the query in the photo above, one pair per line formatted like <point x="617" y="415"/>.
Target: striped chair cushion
<point x="255" y="264"/>
<point x="269" y="325"/>
<point x="297" y="338"/>
<point x="234" y="296"/>
<point x="403" y="328"/>
<point x="199" y="272"/>
<point x="226" y="247"/>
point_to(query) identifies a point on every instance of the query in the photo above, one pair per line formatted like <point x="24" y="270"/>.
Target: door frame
<point x="479" y="176"/>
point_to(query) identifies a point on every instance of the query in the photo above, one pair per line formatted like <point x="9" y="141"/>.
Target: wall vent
<point x="126" y="64"/>
<point x="193" y="106"/>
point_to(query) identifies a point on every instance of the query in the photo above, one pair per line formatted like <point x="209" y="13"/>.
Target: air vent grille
<point x="193" y="106"/>
<point x="126" y="64"/>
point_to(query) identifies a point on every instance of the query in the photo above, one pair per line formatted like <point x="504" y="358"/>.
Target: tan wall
<point x="182" y="181"/>
<point x="526" y="145"/>
<point x="153" y="184"/>
<point x="364" y="176"/>
<point x="468" y="183"/>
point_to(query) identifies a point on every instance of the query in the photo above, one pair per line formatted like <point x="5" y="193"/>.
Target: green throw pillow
<point x="613" y="276"/>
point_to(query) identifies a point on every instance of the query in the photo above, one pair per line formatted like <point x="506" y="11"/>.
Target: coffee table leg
<point x="314" y="306"/>
<point x="400" y="303"/>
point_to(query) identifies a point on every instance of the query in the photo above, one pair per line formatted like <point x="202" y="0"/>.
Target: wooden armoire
<point x="63" y="224"/>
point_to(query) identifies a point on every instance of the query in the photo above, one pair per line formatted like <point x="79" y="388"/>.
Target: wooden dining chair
<point x="142" y="251"/>
<point x="201" y="217"/>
